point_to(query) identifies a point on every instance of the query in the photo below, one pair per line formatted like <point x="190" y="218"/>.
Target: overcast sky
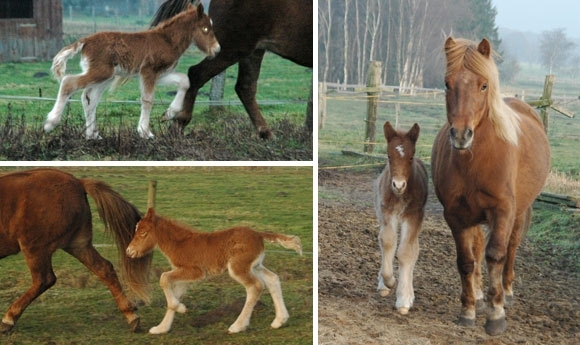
<point x="526" y="15"/>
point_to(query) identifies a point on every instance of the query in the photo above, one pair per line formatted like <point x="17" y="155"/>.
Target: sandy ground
<point x="547" y="294"/>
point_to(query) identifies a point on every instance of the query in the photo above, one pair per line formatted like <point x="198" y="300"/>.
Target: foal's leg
<point x="387" y="244"/>
<point x="90" y="99"/>
<point x="104" y="270"/>
<point x="40" y="265"/>
<point x="272" y="282"/>
<point x="407" y="254"/>
<point x="148" y="81"/>
<point x="182" y="83"/>
<point x="241" y="271"/>
<point x="174" y="284"/>
<point x="247" y="87"/>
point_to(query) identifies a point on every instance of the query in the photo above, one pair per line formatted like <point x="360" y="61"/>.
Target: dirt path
<point x="547" y="298"/>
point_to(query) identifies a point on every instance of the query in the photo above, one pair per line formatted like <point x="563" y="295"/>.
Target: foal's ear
<point x="389" y="131"/>
<point x="150" y="213"/>
<point x="200" y="10"/>
<point x="413" y="133"/>
<point x="484" y="47"/>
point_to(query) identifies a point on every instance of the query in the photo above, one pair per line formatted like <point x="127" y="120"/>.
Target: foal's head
<point x="145" y="239"/>
<point x="203" y="34"/>
<point x="400" y="153"/>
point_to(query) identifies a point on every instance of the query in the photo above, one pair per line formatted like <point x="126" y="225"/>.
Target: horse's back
<point x="38" y="207"/>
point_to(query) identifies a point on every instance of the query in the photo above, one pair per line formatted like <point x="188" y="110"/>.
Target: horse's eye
<point x="144" y="234"/>
<point x="446" y="86"/>
<point x="483" y="87"/>
<point x="205" y="29"/>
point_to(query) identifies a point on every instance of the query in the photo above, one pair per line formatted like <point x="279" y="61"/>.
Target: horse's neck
<point x="169" y="234"/>
<point x="179" y="32"/>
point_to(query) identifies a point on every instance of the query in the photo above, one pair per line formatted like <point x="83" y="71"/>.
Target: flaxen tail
<point x="59" y="61"/>
<point x="286" y="241"/>
<point x="121" y="218"/>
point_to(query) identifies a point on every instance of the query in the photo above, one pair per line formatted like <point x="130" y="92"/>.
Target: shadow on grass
<point x="229" y="137"/>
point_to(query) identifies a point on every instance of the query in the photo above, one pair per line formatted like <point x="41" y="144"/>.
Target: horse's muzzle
<point x="461" y="139"/>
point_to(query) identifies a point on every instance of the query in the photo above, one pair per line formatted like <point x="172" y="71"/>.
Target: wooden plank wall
<point x="38" y="38"/>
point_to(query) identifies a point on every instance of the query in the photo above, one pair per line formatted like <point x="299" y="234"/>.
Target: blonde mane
<point x="465" y="54"/>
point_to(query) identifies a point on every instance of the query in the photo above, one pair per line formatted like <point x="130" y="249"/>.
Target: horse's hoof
<point x="384" y="292"/>
<point x="495" y="327"/>
<point x="135" y="325"/>
<point x="5" y="328"/>
<point x="266" y="134"/>
<point x="403" y="311"/>
<point x="465" y="322"/>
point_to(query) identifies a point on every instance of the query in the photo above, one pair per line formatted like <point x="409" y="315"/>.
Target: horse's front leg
<point x="466" y="245"/>
<point x="387" y="244"/>
<point x="495" y="255"/>
<point x="407" y="254"/>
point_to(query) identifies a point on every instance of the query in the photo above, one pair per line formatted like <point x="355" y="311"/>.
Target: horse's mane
<point x="464" y="54"/>
<point x="170" y="9"/>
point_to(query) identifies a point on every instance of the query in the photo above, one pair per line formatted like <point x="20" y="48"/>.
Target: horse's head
<point x="144" y="239"/>
<point x="203" y="34"/>
<point x="470" y="79"/>
<point x="400" y="153"/>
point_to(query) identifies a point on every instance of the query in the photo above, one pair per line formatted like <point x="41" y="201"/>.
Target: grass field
<point x="80" y="310"/>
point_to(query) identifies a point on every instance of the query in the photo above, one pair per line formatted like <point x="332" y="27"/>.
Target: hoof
<point x="266" y="134"/>
<point x="403" y="311"/>
<point x="495" y="327"/>
<point x="5" y="328"/>
<point x="135" y="325"/>
<point x="465" y="322"/>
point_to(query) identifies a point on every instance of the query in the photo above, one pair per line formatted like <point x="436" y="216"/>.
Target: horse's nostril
<point x="468" y="133"/>
<point x="453" y="132"/>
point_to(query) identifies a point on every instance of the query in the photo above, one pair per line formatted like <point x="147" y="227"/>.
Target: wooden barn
<point x="30" y="30"/>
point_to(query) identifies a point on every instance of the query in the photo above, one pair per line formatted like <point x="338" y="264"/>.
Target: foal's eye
<point x="483" y="87"/>
<point x="144" y="234"/>
<point x="205" y="29"/>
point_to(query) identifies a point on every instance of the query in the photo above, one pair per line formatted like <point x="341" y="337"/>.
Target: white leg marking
<point x="182" y="82"/>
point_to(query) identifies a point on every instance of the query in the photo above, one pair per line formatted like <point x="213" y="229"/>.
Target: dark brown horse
<point x="246" y="29"/>
<point x="44" y="210"/>
<point x="400" y="198"/>
<point x="489" y="162"/>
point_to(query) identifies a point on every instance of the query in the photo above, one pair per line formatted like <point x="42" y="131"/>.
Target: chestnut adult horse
<point x="246" y="29"/>
<point x="489" y="162"/>
<point x="44" y="210"/>
<point x="400" y="197"/>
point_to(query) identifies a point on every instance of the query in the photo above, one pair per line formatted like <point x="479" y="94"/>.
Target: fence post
<point x="321" y="104"/>
<point x="152" y="191"/>
<point x="373" y="85"/>
<point x="216" y="91"/>
<point x="547" y="97"/>
<point x="309" y="116"/>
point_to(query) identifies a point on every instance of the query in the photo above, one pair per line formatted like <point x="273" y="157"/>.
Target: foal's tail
<point x="59" y="61"/>
<point x="120" y="218"/>
<point x="286" y="241"/>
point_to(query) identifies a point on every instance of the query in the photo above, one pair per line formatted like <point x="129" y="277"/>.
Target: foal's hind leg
<point x="40" y="265"/>
<point x="69" y="85"/>
<point x="90" y="99"/>
<point x="407" y="254"/>
<point x="272" y="282"/>
<point x="103" y="269"/>
<point x="241" y="271"/>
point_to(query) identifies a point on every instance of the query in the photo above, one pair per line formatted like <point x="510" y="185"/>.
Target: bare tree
<point x="555" y="49"/>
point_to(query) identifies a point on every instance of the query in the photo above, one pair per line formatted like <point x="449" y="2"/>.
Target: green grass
<point x="80" y="310"/>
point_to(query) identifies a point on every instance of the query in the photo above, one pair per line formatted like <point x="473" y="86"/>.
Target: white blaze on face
<point x="400" y="149"/>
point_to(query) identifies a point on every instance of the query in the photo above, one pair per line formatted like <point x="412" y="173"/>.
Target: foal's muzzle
<point x="461" y="139"/>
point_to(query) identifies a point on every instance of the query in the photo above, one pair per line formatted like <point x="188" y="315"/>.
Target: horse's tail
<point x="59" y="61"/>
<point x="170" y="9"/>
<point x="120" y="218"/>
<point x="286" y="241"/>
